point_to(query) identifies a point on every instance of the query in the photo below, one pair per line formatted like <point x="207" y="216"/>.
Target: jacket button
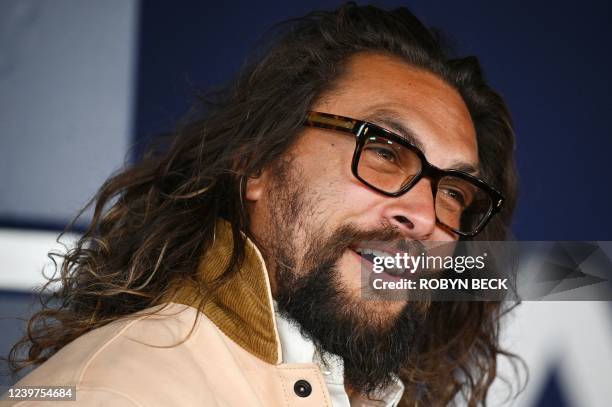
<point x="302" y="388"/>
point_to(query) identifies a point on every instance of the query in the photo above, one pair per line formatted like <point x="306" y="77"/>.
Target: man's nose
<point x="414" y="212"/>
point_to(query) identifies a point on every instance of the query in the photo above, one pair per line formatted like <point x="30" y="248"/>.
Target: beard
<point x="372" y="344"/>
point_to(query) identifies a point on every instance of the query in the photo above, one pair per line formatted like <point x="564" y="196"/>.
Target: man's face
<point x="309" y="212"/>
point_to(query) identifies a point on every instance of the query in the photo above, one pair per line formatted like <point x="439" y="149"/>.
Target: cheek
<point x="339" y="196"/>
<point x="443" y="235"/>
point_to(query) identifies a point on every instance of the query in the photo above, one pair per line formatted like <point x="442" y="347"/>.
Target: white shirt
<point x="298" y="349"/>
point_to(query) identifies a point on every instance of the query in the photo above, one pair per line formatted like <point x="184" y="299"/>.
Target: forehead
<point x="389" y="92"/>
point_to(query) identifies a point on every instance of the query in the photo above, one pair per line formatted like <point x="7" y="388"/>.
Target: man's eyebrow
<point x="465" y="167"/>
<point x="391" y="122"/>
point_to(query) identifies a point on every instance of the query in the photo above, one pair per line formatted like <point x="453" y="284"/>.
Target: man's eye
<point x="384" y="153"/>
<point x="456" y="195"/>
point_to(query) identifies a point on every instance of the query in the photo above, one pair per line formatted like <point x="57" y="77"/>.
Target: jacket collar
<point x="242" y="308"/>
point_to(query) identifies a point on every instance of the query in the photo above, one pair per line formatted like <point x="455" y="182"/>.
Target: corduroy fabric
<point x="242" y="307"/>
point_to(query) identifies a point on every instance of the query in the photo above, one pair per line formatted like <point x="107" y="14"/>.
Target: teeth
<point x="381" y="254"/>
<point x="378" y="253"/>
<point x="373" y="252"/>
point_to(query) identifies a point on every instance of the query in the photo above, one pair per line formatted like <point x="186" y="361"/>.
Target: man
<point x="224" y="270"/>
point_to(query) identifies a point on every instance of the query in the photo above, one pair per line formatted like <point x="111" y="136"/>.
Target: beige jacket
<point x="231" y="358"/>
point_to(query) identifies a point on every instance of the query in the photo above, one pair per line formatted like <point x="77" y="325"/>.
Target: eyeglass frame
<point x="360" y="128"/>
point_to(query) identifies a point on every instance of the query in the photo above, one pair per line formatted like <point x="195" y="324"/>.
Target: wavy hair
<point x="154" y="219"/>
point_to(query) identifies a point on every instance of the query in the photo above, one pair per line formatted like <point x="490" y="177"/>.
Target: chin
<point x="386" y="311"/>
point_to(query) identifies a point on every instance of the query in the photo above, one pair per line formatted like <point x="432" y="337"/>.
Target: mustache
<point x="386" y="238"/>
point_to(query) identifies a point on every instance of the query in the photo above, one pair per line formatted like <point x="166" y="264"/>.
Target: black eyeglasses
<point x="391" y="165"/>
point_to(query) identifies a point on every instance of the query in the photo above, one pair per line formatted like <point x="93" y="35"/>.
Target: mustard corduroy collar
<point x="242" y="308"/>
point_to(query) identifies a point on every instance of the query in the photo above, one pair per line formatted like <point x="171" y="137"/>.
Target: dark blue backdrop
<point x="551" y="61"/>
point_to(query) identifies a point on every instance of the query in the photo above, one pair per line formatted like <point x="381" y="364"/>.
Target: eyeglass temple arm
<point x="332" y="122"/>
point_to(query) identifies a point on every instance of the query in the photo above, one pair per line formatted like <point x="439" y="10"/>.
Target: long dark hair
<point x="153" y="220"/>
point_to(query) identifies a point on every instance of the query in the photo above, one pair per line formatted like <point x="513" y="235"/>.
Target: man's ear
<point x="256" y="185"/>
